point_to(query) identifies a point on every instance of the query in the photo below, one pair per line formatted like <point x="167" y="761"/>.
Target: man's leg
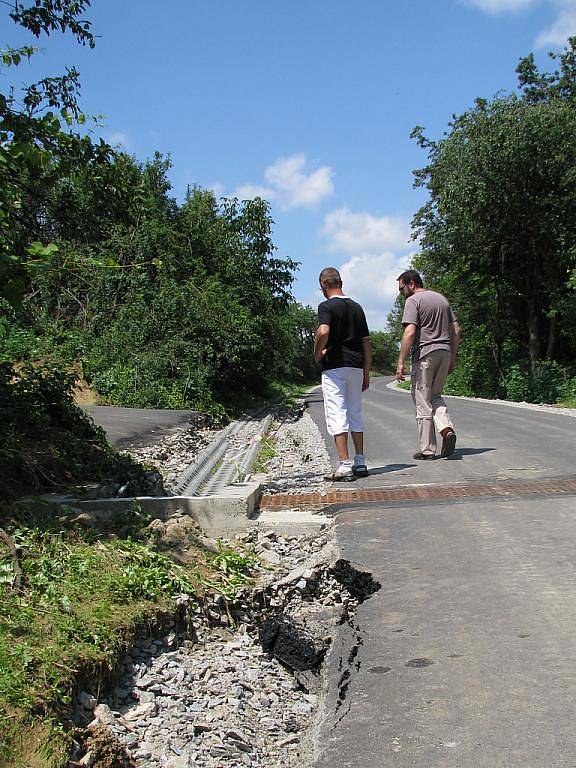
<point x="334" y="391"/>
<point x="442" y="418"/>
<point x="354" y="403"/>
<point x="341" y="441"/>
<point x="421" y="389"/>
<point x="358" y="440"/>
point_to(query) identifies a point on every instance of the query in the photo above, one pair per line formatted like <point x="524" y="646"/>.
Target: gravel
<point x="242" y="686"/>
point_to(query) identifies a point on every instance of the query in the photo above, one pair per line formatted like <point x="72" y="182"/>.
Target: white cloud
<point x="289" y="183"/>
<point x="119" y="139"/>
<point x="250" y="191"/>
<point x="556" y="35"/>
<point x="500" y="6"/>
<point x="371" y="280"/>
<point x="295" y="188"/>
<point x="217" y="189"/>
<point x="562" y="28"/>
<point x="377" y="250"/>
<point x="358" y="232"/>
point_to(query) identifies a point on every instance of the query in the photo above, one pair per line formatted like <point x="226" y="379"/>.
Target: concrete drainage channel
<point x="232" y="684"/>
<point x="227" y="460"/>
<point x="215" y="490"/>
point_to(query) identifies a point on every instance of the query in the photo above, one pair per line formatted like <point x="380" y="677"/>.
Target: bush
<point x="567" y="391"/>
<point x="47" y="441"/>
<point x="546" y="381"/>
<point x="544" y="385"/>
<point x="517" y="384"/>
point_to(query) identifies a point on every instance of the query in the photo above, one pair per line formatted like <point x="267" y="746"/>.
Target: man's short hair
<point x="411" y="276"/>
<point x="330" y="278"/>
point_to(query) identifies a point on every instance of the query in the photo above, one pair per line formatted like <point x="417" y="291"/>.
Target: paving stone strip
<point x="551" y="486"/>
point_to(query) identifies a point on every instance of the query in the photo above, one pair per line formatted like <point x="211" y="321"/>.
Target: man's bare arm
<point x="455" y="335"/>
<point x="367" y="357"/>
<point x="322" y="334"/>
<point x="408" y="338"/>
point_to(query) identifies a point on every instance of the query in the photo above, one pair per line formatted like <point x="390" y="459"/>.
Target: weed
<point x="234" y="566"/>
<point x="267" y="452"/>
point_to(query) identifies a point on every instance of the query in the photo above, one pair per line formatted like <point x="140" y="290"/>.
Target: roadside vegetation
<point x="498" y="235"/>
<point x="71" y="600"/>
<point x="266" y="453"/>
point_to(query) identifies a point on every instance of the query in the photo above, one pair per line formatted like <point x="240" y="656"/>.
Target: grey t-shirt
<point x="432" y="315"/>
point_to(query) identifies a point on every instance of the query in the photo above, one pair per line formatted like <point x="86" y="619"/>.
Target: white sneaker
<point x="344" y="473"/>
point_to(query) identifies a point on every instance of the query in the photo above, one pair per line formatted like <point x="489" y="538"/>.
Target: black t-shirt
<point x="348" y="327"/>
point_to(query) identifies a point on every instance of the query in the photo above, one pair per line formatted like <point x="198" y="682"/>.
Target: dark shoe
<point x="424" y="456"/>
<point x="360" y="470"/>
<point x="448" y="445"/>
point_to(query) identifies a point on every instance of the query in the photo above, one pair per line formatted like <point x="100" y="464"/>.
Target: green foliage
<point x="517" y="384"/>
<point x="498" y="233"/>
<point x="267" y="451"/>
<point x="547" y="381"/>
<point x="546" y="384"/>
<point x="198" y="313"/>
<point x="234" y="567"/>
<point x="37" y="146"/>
<point x="567" y="392"/>
<point x="83" y="597"/>
<point x="47" y="441"/>
<point x="384" y="351"/>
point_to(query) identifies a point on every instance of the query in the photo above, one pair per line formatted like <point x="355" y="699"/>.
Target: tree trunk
<point x="551" y="338"/>
<point x="533" y="337"/>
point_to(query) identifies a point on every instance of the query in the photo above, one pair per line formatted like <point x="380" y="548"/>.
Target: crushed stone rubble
<point x="243" y="691"/>
<point x="301" y="461"/>
<point x="176" y="451"/>
<point x="242" y="685"/>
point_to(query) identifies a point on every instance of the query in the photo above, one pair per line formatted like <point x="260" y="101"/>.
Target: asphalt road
<point x="133" y="427"/>
<point x="466" y="655"/>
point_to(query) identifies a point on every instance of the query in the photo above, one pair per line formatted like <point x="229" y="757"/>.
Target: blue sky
<point x="309" y="104"/>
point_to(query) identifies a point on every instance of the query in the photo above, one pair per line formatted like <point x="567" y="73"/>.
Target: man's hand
<point x="365" y="382"/>
<point x="318" y="357"/>
<point x="400" y="372"/>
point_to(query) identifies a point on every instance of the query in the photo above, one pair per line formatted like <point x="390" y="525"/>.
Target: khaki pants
<point x="429" y="375"/>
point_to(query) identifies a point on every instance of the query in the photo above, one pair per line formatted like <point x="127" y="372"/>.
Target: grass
<point x="267" y="452"/>
<point x="84" y="595"/>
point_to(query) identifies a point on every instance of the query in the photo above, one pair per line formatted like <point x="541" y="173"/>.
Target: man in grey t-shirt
<point x="432" y="333"/>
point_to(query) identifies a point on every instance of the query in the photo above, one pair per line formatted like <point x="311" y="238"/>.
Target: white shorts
<point x="342" y="389"/>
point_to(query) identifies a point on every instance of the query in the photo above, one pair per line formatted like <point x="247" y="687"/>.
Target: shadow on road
<point x="460" y="452"/>
<point x="390" y="468"/>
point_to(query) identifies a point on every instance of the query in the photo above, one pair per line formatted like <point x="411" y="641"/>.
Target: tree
<point x="498" y="233"/>
<point x="384" y="351"/>
<point x="35" y="148"/>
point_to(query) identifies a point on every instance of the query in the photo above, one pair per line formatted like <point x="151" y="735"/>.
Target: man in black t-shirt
<point x="343" y="349"/>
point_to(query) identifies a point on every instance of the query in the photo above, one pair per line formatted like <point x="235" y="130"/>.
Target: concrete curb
<point x="228" y="511"/>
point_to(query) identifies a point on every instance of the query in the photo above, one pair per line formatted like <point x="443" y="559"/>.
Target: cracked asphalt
<point x="466" y="656"/>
